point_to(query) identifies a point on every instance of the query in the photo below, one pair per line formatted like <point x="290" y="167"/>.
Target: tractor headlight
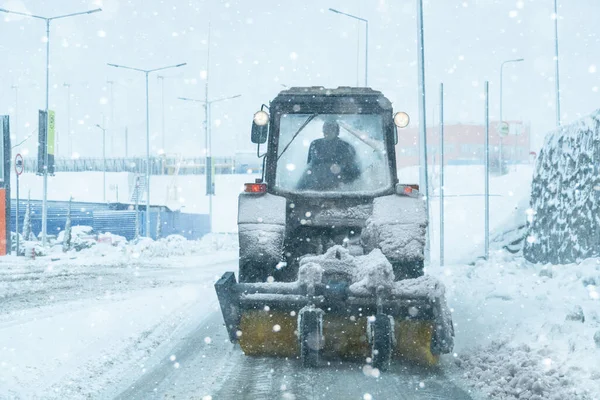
<point x="401" y="119"/>
<point x="261" y="118"/>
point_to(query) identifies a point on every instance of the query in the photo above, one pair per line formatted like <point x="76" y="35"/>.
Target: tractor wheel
<point x="382" y="341"/>
<point x="310" y="334"/>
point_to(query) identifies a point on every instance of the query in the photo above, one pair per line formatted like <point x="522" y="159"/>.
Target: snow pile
<point x="397" y="227"/>
<point x="310" y="273"/>
<point x="375" y="271"/>
<point x="504" y="371"/>
<point x="565" y="195"/>
<point x="337" y="264"/>
<point x="177" y="245"/>
<point x="534" y="325"/>
<point x="82" y="237"/>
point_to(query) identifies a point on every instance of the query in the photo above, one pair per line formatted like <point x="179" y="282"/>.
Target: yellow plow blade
<point x="274" y="334"/>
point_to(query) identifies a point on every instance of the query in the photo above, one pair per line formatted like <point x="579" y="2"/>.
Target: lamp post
<point x="366" y="37"/>
<point x="208" y="144"/>
<point x="147" y="72"/>
<point x="47" y="19"/>
<point x="103" y="158"/>
<point x="501" y="121"/>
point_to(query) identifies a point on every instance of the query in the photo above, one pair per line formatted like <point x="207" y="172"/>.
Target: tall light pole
<point x="556" y="77"/>
<point x="103" y="128"/>
<point x="366" y="37"/>
<point x="423" y="176"/>
<point x="501" y="120"/>
<point x="147" y="72"/>
<point x="47" y="19"/>
<point x="208" y="162"/>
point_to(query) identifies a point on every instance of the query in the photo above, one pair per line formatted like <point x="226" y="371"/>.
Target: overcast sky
<point x="256" y="47"/>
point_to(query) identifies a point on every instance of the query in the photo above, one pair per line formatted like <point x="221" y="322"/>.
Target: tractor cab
<point x="329" y="143"/>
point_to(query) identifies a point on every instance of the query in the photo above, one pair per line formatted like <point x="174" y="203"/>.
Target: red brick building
<point x="464" y="144"/>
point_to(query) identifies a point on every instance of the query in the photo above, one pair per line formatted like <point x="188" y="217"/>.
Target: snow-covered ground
<point x="70" y="327"/>
<point x="90" y="326"/>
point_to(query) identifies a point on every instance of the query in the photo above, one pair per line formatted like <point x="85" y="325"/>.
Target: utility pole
<point x="487" y="171"/>
<point x="556" y="74"/>
<point x="441" y="174"/>
<point x="423" y="176"/>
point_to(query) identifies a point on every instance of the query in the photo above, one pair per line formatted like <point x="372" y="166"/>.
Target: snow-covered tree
<point x="137" y="219"/>
<point x="158" y="225"/>
<point x="27" y="234"/>
<point x="67" y="237"/>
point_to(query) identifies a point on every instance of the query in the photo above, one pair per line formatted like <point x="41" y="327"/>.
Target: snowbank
<point x="526" y="331"/>
<point x="565" y="195"/>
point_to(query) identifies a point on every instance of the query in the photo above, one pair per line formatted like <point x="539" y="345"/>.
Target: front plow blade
<point x="263" y="319"/>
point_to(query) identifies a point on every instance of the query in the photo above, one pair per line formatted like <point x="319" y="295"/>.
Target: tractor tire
<point x="310" y="334"/>
<point x="382" y="342"/>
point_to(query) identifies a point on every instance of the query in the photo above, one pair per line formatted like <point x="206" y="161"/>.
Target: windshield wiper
<point x="296" y="134"/>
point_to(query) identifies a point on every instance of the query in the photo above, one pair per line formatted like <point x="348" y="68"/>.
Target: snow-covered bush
<point x="67" y="232"/>
<point x="564" y="223"/>
<point x="82" y="237"/>
<point x="27" y="232"/>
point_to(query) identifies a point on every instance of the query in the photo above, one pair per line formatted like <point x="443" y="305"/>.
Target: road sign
<point x="19" y="164"/>
<point x="503" y="128"/>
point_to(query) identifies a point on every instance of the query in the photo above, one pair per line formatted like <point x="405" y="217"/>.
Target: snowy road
<point x="153" y="329"/>
<point x="220" y="370"/>
<point x="201" y="362"/>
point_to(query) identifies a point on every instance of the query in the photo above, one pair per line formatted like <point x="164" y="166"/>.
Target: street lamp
<point x="501" y="121"/>
<point x="366" y="37"/>
<point x="47" y="19"/>
<point x="147" y="72"/>
<point x="103" y="159"/>
<point x="208" y="143"/>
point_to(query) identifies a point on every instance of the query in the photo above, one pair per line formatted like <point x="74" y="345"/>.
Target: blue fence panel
<point x="113" y="218"/>
<point x="117" y="222"/>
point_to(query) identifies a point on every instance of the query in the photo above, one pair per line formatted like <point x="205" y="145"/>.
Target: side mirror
<point x="259" y="133"/>
<point x="260" y="127"/>
<point x="395" y="134"/>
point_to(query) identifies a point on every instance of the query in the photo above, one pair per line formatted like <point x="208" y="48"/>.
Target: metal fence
<point x="158" y="165"/>
<point x="116" y="218"/>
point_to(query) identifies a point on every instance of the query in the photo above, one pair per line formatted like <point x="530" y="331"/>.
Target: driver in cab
<point x="331" y="161"/>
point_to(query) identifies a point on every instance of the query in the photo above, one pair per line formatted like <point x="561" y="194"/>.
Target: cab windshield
<point x="332" y="153"/>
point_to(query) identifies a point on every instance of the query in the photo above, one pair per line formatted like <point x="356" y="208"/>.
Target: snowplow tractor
<point x="331" y="245"/>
